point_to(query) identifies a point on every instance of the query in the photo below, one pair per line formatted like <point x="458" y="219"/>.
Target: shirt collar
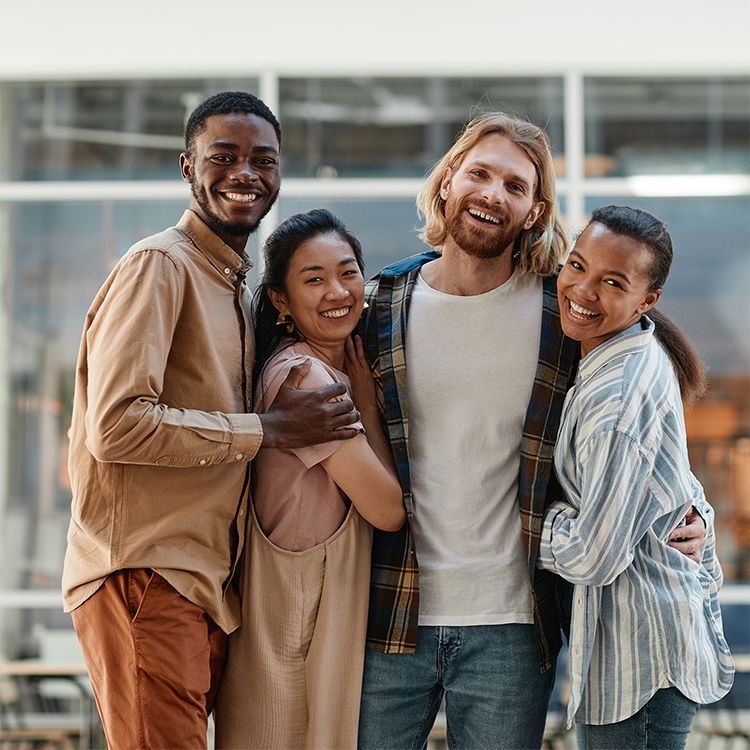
<point x="633" y="339"/>
<point x="220" y="255"/>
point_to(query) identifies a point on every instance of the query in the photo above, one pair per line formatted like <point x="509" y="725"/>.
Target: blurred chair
<point x="51" y="703"/>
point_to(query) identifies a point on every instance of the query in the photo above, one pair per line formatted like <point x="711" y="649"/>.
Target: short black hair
<point x="226" y="103"/>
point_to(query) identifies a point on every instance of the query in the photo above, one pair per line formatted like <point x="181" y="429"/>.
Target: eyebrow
<point x="312" y="267"/>
<point x="229" y="146"/>
<point x="619" y="274"/>
<point x="514" y="177"/>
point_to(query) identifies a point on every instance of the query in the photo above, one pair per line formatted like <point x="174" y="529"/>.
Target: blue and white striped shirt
<point x="645" y="616"/>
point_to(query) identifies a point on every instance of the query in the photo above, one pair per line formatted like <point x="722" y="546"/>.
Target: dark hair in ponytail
<point x="648" y="230"/>
<point x="277" y="253"/>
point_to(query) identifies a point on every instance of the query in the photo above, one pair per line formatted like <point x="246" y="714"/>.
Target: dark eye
<point x="612" y="282"/>
<point x="575" y="264"/>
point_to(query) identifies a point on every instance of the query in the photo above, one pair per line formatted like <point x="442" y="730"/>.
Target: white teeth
<point x="241" y="197"/>
<point x="481" y="215"/>
<point x="582" y="310"/>
<point x="335" y="313"/>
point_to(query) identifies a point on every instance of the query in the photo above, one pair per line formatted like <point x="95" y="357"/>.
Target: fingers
<point x="342" y="417"/>
<point x="349" y="347"/>
<point x="360" y="349"/>
<point x="328" y="392"/>
<point x="693" y="517"/>
<point x="355" y="354"/>
<point x="296" y="373"/>
<point x="345" y="433"/>
<point x="687" y="547"/>
<point x="693" y="532"/>
<point x="690" y="548"/>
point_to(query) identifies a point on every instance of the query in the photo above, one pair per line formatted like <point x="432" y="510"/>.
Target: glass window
<point x="398" y="127"/>
<point x="387" y="229"/>
<point x="113" y="130"/>
<point x="667" y="126"/>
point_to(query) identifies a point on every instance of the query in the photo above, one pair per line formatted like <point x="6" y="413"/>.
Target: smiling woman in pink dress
<point x="294" y="668"/>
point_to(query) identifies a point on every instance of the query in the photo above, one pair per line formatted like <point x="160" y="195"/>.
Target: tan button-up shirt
<point x="161" y="437"/>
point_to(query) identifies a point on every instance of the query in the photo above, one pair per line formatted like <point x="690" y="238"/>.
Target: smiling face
<point x="324" y="294"/>
<point x="489" y="199"/>
<point x="234" y="174"/>
<point x="603" y="287"/>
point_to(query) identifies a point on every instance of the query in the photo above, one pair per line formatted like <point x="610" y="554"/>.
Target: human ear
<point x="445" y="183"/>
<point x="649" y="301"/>
<point x="536" y="211"/>
<point x="278" y="300"/>
<point x="186" y="167"/>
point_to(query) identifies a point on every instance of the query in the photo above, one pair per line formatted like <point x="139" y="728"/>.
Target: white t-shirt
<point x="471" y="363"/>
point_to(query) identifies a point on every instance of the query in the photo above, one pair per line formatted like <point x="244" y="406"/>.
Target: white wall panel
<point x="87" y="39"/>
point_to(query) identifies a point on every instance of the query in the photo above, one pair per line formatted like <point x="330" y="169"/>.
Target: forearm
<point x="375" y="492"/>
<point x="377" y="440"/>
<point x="144" y="432"/>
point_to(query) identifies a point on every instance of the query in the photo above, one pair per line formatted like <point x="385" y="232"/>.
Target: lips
<point x="240" y="197"/>
<point x="581" y="313"/>
<point x="341" y="312"/>
<point x="481" y="215"/>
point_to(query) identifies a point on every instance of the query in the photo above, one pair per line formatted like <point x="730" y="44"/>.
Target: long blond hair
<point x="539" y="249"/>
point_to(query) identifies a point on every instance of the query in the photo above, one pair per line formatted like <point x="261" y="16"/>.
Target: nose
<point x="494" y="191"/>
<point x="336" y="290"/>
<point x="585" y="289"/>
<point x="244" y="171"/>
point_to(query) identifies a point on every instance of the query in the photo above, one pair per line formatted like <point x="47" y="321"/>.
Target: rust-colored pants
<point x="154" y="659"/>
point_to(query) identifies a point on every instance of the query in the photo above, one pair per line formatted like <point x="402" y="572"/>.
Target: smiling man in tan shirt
<point x="162" y="436"/>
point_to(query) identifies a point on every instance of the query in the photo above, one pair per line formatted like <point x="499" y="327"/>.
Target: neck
<point x="236" y="243"/>
<point x="332" y="355"/>
<point x="457" y="272"/>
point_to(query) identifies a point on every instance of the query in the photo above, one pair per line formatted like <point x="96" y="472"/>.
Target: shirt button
<point x="239" y="456"/>
<point x="227" y="271"/>
<point x="202" y="462"/>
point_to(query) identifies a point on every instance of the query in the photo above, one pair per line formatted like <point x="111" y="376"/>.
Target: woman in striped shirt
<point x="646" y="641"/>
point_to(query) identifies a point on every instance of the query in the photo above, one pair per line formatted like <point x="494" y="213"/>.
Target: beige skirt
<point x="293" y="674"/>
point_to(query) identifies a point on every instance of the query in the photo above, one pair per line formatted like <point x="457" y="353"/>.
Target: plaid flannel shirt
<point x="394" y="588"/>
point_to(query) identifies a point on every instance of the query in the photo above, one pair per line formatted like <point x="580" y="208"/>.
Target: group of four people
<point x="529" y="475"/>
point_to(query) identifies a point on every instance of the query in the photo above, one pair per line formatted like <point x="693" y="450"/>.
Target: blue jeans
<point x="662" y="724"/>
<point x="495" y="695"/>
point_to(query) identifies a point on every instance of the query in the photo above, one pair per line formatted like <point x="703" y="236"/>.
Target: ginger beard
<point x="490" y="241"/>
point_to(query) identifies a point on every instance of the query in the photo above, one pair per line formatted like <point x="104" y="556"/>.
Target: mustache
<point x="500" y="213"/>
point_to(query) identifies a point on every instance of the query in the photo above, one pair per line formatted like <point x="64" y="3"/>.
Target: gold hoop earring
<point x="286" y="320"/>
